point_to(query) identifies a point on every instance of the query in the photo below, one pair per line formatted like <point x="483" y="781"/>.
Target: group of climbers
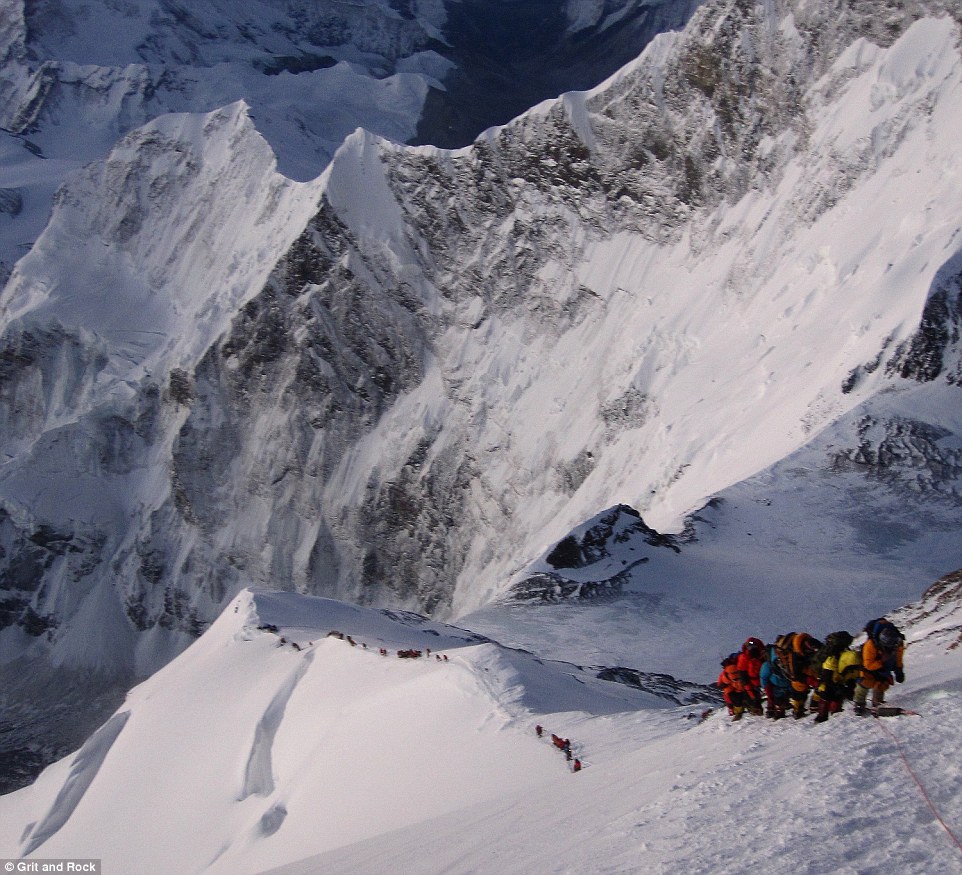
<point x="771" y="679"/>
<point x="562" y="744"/>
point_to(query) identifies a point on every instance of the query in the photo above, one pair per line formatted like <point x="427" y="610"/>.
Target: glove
<point x="899" y="676"/>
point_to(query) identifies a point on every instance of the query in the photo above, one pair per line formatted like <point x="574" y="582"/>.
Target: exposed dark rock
<point x="553" y="588"/>
<point x="662" y="685"/>
<point x="180" y="387"/>
<point x="617" y="526"/>
<point x="305" y="63"/>
<point x="906" y="454"/>
<point x="11" y="201"/>
<point x="566" y="554"/>
<point x="923" y="357"/>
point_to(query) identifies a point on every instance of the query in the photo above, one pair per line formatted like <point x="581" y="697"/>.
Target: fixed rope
<point x="920" y="785"/>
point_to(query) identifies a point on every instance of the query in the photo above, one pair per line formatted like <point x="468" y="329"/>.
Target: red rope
<point x="918" y="783"/>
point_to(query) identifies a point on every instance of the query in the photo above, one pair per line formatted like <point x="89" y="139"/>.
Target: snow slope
<point x="813" y="540"/>
<point x="288" y="750"/>
<point x="247" y="753"/>
<point x="185" y="194"/>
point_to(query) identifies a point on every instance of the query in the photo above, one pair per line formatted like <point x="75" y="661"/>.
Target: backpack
<point x="731" y="659"/>
<point x="835" y="643"/>
<point x="882" y="628"/>
<point x="783" y="643"/>
<point x="777" y="668"/>
<point x="783" y="651"/>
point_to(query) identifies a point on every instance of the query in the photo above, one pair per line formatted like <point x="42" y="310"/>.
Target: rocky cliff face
<point x="403" y="381"/>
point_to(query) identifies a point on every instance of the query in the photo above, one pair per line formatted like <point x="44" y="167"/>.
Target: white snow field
<point x="250" y="754"/>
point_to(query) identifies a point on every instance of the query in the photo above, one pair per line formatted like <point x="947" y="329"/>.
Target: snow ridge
<point x="331" y="717"/>
<point x="435" y="764"/>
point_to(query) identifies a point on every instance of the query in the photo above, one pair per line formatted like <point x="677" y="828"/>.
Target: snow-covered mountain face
<point x="375" y="706"/>
<point x="77" y="75"/>
<point x="651" y="292"/>
<point x="733" y="269"/>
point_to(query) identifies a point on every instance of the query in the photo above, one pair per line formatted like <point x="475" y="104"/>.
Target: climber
<point x="850" y="668"/>
<point x="775" y="683"/>
<point x="830" y="695"/>
<point x="795" y="652"/>
<point x="882" y="655"/>
<point x="749" y="665"/>
<point x="731" y="684"/>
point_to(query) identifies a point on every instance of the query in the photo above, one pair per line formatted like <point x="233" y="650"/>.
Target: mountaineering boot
<point x="861" y="694"/>
<point x="737" y="713"/>
<point x="822" y="714"/>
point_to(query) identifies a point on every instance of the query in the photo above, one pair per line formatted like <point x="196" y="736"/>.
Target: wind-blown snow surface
<point x="248" y="753"/>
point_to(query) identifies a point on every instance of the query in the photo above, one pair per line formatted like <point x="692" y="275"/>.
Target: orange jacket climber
<point x="879" y="665"/>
